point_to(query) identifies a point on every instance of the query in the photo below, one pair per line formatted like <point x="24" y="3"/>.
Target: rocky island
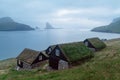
<point x="8" y="24"/>
<point x="49" y="26"/>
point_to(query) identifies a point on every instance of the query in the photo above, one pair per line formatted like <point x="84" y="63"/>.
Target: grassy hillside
<point x="104" y="66"/>
<point x="113" y="27"/>
<point x="7" y="64"/>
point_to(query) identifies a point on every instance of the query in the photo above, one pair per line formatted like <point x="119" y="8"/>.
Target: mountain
<point x="8" y="24"/>
<point x="113" y="27"/>
<point x="49" y="26"/>
<point x="116" y="19"/>
<point x="6" y="19"/>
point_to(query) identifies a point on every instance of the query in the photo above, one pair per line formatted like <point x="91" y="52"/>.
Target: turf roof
<point x="75" y="51"/>
<point x="97" y="43"/>
<point x="28" y="55"/>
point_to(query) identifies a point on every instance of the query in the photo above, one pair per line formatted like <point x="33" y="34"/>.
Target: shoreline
<point x="105" y="32"/>
<point x="114" y="39"/>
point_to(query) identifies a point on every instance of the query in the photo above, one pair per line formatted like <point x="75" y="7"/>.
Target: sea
<point x="12" y="43"/>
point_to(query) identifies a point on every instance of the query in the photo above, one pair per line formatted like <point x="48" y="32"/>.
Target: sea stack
<point x="49" y="26"/>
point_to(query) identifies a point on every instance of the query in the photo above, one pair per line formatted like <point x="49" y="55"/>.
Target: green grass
<point x="8" y="63"/>
<point x="76" y="51"/>
<point x="104" y="66"/>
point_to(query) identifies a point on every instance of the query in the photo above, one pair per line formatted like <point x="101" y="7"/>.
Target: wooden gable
<point x="59" y="53"/>
<point x="56" y="56"/>
<point x="41" y="57"/>
<point x="49" y="49"/>
<point x="29" y="59"/>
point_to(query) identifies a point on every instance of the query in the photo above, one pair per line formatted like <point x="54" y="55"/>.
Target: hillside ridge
<point x="113" y="27"/>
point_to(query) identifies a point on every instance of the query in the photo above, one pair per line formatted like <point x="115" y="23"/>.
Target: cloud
<point x="61" y="13"/>
<point x="85" y="17"/>
<point x="77" y="22"/>
<point x="92" y="11"/>
<point x="64" y="12"/>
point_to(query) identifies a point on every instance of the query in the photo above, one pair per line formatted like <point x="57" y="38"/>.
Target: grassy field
<point x="104" y="66"/>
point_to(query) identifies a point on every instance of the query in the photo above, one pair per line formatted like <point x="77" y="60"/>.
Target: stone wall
<point x="62" y="65"/>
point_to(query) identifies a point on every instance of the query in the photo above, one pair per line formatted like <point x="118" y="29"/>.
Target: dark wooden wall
<point x="54" y="60"/>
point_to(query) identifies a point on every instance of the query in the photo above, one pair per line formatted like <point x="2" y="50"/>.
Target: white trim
<point x="57" y="52"/>
<point x="40" y="57"/>
<point x="19" y="62"/>
<point x="86" y="43"/>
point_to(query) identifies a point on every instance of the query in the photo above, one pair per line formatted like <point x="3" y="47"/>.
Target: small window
<point x="57" y="52"/>
<point x="86" y="43"/>
<point x="50" y="49"/>
<point x="40" y="57"/>
<point x="19" y="62"/>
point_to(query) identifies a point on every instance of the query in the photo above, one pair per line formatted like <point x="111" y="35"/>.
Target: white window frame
<point x="57" y="52"/>
<point x="19" y="62"/>
<point x="49" y="50"/>
<point x="40" y="57"/>
<point x="86" y="43"/>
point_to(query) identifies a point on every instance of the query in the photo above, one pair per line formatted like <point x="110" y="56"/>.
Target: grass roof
<point x="28" y="55"/>
<point x="76" y="51"/>
<point x="97" y="43"/>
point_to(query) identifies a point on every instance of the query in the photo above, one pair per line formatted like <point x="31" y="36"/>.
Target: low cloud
<point x="82" y="17"/>
<point x="60" y="13"/>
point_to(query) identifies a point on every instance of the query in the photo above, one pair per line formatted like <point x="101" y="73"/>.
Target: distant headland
<point x="8" y="24"/>
<point x="113" y="27"/>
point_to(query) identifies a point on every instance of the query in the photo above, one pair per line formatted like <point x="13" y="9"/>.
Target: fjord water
<point x="13" y="42"/>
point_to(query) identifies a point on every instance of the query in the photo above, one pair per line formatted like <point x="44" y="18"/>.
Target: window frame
<point x="57" y="52"/>
<point x="87" y="43"/>
<point x="40" y="57"/>
<point x="19" y="62"/>
<point x="49" y="50"/>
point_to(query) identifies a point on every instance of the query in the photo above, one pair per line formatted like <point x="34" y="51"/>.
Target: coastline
<point x="105" y="32"/>
<point x="110" y="40"/>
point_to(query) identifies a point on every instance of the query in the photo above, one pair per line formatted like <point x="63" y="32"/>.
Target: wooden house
<point x="64" y="55"/>
<point x="29" y="59"/>
<point x="94" y="44"/>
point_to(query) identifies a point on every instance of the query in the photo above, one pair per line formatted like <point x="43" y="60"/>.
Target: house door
<point x="62" y="65"/>
<point x="20" y="63"/>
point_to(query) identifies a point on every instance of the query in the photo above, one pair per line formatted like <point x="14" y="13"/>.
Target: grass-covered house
<point x="94" y="44"/>
<point x="29" y="59"/>
<point x="64" y="55"/>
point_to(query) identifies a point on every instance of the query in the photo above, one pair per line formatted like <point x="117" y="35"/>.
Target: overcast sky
<point x="61" y="13"/>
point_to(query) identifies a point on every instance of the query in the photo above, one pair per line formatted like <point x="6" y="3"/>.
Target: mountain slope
<point x="113" y="27"/>
<point x="104" y="66"/>
<point x="8" y="24"/>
